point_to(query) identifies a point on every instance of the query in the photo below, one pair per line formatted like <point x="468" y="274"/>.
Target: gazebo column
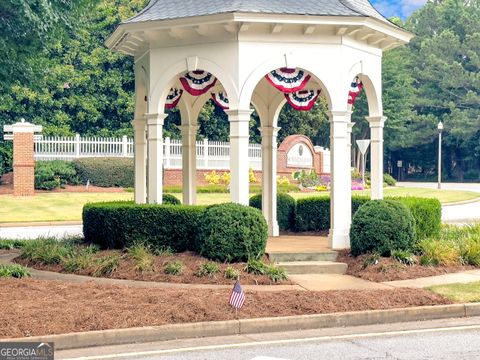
<point x="376" y="158"/>
<point x="189" y="164"/>
<point x="269" y="177"/>
<point x="239" y="163"/>
<point x="155" y="157"/>
<point x="350" y="126"/>
<point x="340" y="185"/>
<point x="140" y="160"/>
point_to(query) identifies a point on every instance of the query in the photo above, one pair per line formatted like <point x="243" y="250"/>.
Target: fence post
<point x="205" y="152"/>
<point x="167" y="152"/>
<point x="124" y="146"/>
<point x="77" y="146"/>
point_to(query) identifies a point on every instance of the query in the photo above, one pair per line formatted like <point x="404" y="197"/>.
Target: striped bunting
<point x="173" y="98"/>
<point x="303" y="100"/>
<point x="355" y="90"/>
<point x="198" y="82"/>
<point x="237" y="297"/>
<point x="288" y="80"/>
<point x="221" y="100"/>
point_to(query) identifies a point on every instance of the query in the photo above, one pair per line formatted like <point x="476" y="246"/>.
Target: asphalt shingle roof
<point x="176" y="9"/>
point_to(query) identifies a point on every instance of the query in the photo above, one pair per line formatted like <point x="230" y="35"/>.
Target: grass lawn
<point x="462" y="293"/>
<point x="68" y="206"/>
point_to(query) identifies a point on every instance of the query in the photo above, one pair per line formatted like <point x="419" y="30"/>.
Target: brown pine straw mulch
<point x="36" y="307"/>
<point x="388" y="269"/>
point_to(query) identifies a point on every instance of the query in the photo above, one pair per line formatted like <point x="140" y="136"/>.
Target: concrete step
<point x="313" y="267"/>
<point x="303" y="256"/>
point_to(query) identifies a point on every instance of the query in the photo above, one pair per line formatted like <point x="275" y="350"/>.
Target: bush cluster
<point x="285" y="209"/>
<point x="50" y="175"/>
<point x="382" y="226"/>
<point x="105" y="172"/>
<point x="224" y="232"/>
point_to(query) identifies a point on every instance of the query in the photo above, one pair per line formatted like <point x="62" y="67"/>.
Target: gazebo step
<point x="303" y="256"/>
<point x="313" y="267"/>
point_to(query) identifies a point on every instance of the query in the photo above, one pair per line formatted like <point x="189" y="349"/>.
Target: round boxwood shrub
<point x="285" y="209"/>
<point x="382" y="226"/>
<point x="232" y="232"/>
<point x="168" y="199"/>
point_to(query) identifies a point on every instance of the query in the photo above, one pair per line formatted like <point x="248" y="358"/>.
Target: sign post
<point x="363" y="147"/>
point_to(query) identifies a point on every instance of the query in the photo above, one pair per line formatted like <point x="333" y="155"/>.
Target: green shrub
<point x="256" y="267"/>
<point x="389" y="180"/>
<point x="124" y="224"/>
<point x="106" y="172"/>
<point x="382" y="226"/>
<point x="143" y="258"/>
<point x="313" y="214"/>
<point x="168" y="199"/>
<point x="174" y="268"/>
<point x="285" y="210"/>
<point x="6" y="244"/>
<point x="80" y="259"/>
<point x="276" y="273"/>
<point x="209" y="269"/>
<point x="427" y="214"/>
<point x="232" y="232"/>
<point x="107" y="265"/>
<point x="438" y="252"/>
<point x="46" y="251"/>
<point x="51" y="174"/>
<point x="405" y="257"/>
<point x="470" y="252"/>
<point x="14" y="270"/>
<point x="231" y="273"/>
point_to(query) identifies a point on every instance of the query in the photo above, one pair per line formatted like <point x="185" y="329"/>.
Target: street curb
<point x="464" y="202"/>
<point x="253" y="326"/>
<point x="39" y="224"/>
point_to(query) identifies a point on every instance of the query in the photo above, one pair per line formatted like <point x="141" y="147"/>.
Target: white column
<point x="140" y="160"/>
<point x="376" y="155"/>
<point x="340" y="186"/>
<point x="269" y="177"/>
<point x="155" y="157"/>
<point x="350" y="126"/>
<point x="239" y="135"/>
<point x="189" y="163"/>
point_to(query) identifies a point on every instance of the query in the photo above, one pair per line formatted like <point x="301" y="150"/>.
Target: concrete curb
<point x="253" y="326"/>
<point x="471" y="201"/>
<point x="40" y="224"/>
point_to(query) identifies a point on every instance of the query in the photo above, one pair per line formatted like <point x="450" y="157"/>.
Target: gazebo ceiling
<point x="165" y="23"/>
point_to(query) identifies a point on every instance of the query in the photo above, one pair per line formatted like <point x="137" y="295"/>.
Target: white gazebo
<point x="260" y="54"/>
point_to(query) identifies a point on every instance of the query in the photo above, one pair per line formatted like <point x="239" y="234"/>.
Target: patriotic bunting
<point x="198" y="82"/>
<point x="355" y="90"/>
<point x="221" y="100"/>
<point x="288" y="80"/>
<point x="302" y="100"/>
<point x="173" y="98"/>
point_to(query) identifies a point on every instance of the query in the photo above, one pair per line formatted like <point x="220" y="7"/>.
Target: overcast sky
<point x="401" y="8"/>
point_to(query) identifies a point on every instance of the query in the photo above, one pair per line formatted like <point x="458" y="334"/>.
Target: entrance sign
<point x="300" y="156"/>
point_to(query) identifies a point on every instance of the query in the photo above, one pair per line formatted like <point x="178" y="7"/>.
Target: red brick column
<point x="23" y="157"/>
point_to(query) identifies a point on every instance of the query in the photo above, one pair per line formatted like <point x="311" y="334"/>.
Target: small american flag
<point x="237" y="298"/>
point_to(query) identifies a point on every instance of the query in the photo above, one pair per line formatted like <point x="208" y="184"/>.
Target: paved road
<point x="33" y="232"/>
<point x="454" y="213"/>
<point x="445" y="339"/>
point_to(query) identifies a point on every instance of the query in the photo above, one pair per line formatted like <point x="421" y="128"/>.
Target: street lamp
<point x="440" y="128"/>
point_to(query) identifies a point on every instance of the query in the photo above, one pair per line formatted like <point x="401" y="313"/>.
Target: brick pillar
<point x="23" y="156"/>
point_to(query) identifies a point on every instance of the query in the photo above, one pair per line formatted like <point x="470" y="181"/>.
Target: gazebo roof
<point x="177" y="9"/>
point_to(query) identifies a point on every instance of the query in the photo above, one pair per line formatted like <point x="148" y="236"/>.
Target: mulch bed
<point x="36" y="307"/>
<point x="388" y="269"/>
<point x="192" y="261"/>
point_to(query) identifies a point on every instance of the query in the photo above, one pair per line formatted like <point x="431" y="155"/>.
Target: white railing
<point x="210" y="154"/>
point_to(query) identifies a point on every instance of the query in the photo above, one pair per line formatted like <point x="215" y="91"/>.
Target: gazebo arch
<point x="239" y="42"/>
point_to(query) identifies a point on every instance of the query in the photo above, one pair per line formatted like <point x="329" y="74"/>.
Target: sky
<point x="400" y="8"/>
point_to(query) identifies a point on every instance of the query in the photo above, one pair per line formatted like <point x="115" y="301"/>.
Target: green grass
<point x="68" y="206"/>
<point x="462" y="293"/>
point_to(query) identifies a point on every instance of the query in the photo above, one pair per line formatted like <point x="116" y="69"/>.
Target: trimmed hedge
<point x="50" y="175"/>
<point x="313" y="214"/>
<point x="168" y="199"/>
<point x="285" y="209"/>
<point x="382" y="226"/>
<point x="105" y="172"/>
<point x="232" y="232"/>
<point x="122" y="224"/>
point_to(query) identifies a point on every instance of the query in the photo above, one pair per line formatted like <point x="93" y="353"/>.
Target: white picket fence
<point x="210" y="154"/>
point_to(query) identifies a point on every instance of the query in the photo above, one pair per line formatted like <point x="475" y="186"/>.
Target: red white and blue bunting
<point x="221" y="100"/>
<point x="303" y="100"/>
<point x="173" y="98"/>
<point x="198" y="82"/>
<point x="355" y="90"/>
<point x="288" y="80"/>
